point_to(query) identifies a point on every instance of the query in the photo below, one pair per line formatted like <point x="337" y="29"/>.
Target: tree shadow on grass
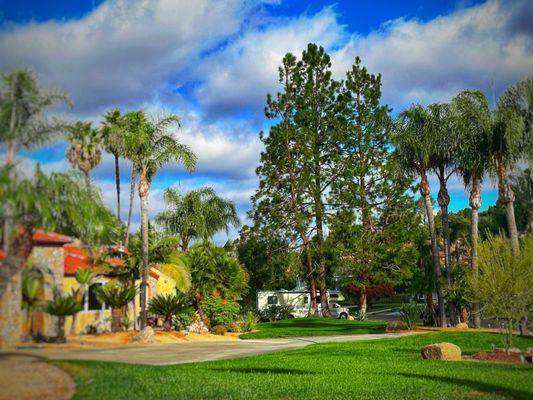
<point x="267" y="371"/>
<point x="477" y="386"/>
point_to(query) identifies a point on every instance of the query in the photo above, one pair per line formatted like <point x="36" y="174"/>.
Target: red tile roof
<point x="78" y="257"/>
<point x="41" y="237"/>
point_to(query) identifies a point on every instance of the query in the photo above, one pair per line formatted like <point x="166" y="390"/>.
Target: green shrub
<point x="276" y="312"/>
<point x="219" y="311"/>
<point x="248" y="321"/>
<point x="219" y="330"/>
<point x="167" y="306"/>
<point x="410" y="315"/>
<point x="181" y="321"/>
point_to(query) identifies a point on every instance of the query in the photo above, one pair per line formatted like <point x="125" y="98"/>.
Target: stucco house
<point x="58" y="257"/>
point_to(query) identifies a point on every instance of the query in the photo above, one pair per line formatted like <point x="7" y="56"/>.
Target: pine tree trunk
<point x="311" y="277"/>
<point x="143" y="195"/>
<point x="11" y="289"/>
<point x="475" y="204"/>
<point x="362" y="303"/>
<point x="130" y="209"/>
<point x="424" y="191"/>
<point x="117" y="183"/>
<point x="506" y="199"/>
<point x="324" y="303"/>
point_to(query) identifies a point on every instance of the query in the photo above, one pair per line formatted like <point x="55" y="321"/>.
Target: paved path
<point x="184" y="352"/>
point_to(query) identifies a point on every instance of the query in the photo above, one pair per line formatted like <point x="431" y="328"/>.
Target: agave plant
<point x="117" y="297"/>
<point x="169" y="305"/>
<point x="61" y="307"/>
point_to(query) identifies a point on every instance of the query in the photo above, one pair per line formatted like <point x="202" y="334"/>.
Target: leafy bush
<point x="219" y="330"/>
<point x="181" y="321"/>
<point x="276" y="312"/>
<point x="245" y="322"/>
<point x="219" y="311"/>
<point x="410" y="315"/>
<point x="169" y="305"/>
<point x="91" y="329"/>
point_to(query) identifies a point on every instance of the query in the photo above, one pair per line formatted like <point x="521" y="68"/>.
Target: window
<point x="306" y="300"/>
<point x="272" y="300"/>
<point x="94" y="304"/>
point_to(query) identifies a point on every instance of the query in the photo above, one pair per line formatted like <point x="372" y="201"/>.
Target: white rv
<point x="299" y="300"/>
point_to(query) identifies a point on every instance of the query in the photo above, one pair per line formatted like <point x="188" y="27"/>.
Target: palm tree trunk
<point x="475" y="204"/>
<point x="11" y="289"/>
<point x="198" y="301"/>
<point x="8" y="220"/>
<point x="506" y="199"/>
<point x="73" y="325"/>
<point x="117" y="183"/>
<point x="87" y="179"/>
<point x="143" y="195"/>
<point x="424" y="191"/>
<point x="60" y="338"/>
<point x="132" y="192"/>
<point x="444" y="201"/>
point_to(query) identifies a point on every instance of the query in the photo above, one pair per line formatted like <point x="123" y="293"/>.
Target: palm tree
<point x="512" y="140"/>
<point x="85" y="278"/>
<point x="413" y="150"/>
<point x="169" y="305"/>
<point x="113" y="142"/>
<point x="30" y="289"/>
<point x="472" y="121"/>
<point x="23" y="124"/>
<point x="84" y="151"/>
<point x="61" y="307"/>
<point x="198" y="215"/>
<point x="151" y="149"/>
<point x="442" y="160"/>
<point x="215" y="270"/>
<point x="116" y="296"/>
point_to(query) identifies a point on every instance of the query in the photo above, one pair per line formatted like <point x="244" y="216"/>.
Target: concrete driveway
<point x="185" y="352"/>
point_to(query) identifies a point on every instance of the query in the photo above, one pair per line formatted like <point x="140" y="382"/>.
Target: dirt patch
<point x="29" y="378"/>
<point x="499" y="357"/>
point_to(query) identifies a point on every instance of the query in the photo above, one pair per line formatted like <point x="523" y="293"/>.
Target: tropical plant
<point x="181" y="321"/>
<point x="220" y="311"/>
<point x="84" y="150"/>
<point x="84" y="278"/>
<point x="113" y="138"/>
<point x="168" y="306"/>
<point x="197" y="215"/>
<point x="220" y="330"/>
<point x="61" y="307"/>
<point x="276" y="312"/>
<point x="152" y="148"/>
<point x="472" y="121"/>
<point x="503" y="287"/>
<point x="31" y="283"/>
<point x="55" y="202"/>
<point x="117" y="296"/>
<point x="412" y="147"/>
<point x="410" y="315"/>
<point x="215" y="271"/>
<point x="247" y="322"/>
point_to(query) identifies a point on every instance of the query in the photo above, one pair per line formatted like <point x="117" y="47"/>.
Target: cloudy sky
<point x="212" y="62"/>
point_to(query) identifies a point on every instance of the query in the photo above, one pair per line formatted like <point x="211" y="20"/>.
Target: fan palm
<point x="472" y="121"/>
<point x="169" y="305"/>
<point x="84" y="151"/>
<point x="413" y="151"/>
<point x="61" y="307"/>
<point x="150" y="148"/>
<point x="199" y="214"/>
<point x="113" y="141"/>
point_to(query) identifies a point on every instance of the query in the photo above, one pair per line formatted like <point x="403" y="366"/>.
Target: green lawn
<point x="314" y="327"/>
<point x="380" y="369"/>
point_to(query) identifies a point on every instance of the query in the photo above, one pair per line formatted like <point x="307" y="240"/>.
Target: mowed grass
<point x="314" y="327"/>
<point x="379" y="369"/>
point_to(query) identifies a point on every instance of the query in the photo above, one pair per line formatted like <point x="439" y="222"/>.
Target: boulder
<point x="145" y="336"/>
<point x="441" y="351"/>
<point x="198" y="327"/>
<point x="351" y="318"/>
<point x="462" y="325"/>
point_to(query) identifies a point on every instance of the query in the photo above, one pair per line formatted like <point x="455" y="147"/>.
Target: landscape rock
<point x="198" y="327"/>
<point x="462" y="325"/>
<point x="441" y="351"/>
<point x="145" y="336"/>
<point x="393" y="326"/>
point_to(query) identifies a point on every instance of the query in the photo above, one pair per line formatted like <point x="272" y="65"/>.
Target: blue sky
<point x="212" y="62"/>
